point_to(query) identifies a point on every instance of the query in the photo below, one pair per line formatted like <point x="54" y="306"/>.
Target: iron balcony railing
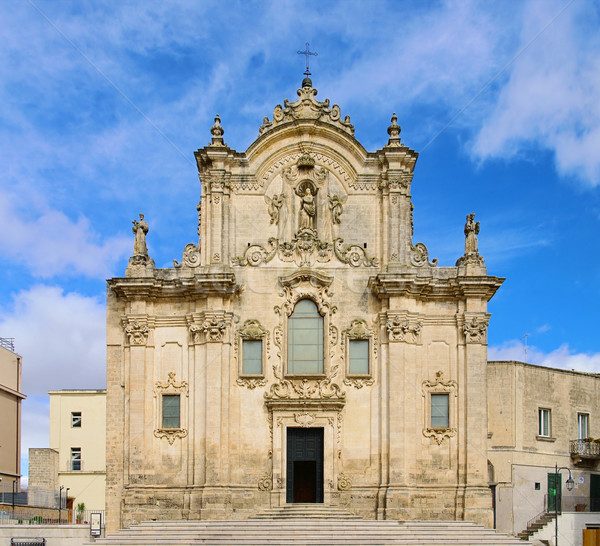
<point x="8" y="343"/>
<point x="587" y="449"/>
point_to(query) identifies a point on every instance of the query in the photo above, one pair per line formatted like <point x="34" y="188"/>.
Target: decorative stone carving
<point x="140" y="229"/>
<point x="475" y="330"/>
<point x="400" y="328"/>
<point x="251" y="329"/>
<point x="190" y="258"/>
<point x="265" y="483"/>
<point x="439" y="435"/>
<point x="439" y="386"/>
<point x="305" y="389"/>
<point x="336" y="209"/>
<point x="471" y="255"/>
<point x="306" y="283"/>
<point x="307" y="107"/>
<point x="344" y="482"/>
<point x="304" y="419"/>
<point x="358" y="382"/>
<point x="419" y="256"/>
<point x="171" y="386"/>
<point x="140" y="259"/>
<point x="137" y="333"/>
<point x="209" y="326"/>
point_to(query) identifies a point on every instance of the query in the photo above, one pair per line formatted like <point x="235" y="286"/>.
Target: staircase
<point x="308" y="525"/>
<point x="537" y="524"/>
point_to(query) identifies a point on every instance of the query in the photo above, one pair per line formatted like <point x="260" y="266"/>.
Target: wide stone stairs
<point x="308" y="525"/>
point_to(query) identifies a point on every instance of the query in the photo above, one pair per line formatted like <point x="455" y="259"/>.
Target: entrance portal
<point x="304" y="465"/>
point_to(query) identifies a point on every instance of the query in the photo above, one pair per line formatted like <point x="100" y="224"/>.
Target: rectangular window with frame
<point x="252" y="362"/>
<point x="544" y="422"/>
<point x="76" y="419"/>
<point x="75" y="458"/>
<point x="171" y="410"/>
<point x="439" y="410"/>
<point x="359" y="357"/>
<point x="583" y="425"/>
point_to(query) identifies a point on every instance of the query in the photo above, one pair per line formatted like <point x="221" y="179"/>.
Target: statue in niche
<point x="308" y="209"/>
<point x="140" y="229"/>
<point x="471" y="232"/>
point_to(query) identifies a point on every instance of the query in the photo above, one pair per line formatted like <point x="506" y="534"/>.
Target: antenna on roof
<point x="525" y="348"/>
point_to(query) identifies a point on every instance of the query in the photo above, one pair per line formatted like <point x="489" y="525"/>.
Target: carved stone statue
<point x="335" y="206"/>
<point x="471" y="232"/>
<point x="307" y="210"/>
<point x="140" y="229"/>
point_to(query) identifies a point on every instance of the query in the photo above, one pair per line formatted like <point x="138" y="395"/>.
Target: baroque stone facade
<point x="213" y="408"/>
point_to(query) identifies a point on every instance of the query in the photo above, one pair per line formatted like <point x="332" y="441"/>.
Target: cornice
<point x="385" y="285"/>
<point x="201" y="284"/>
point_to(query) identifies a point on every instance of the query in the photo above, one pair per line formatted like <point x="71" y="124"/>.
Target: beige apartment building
<point x="10" y="410"/>
<point x="540" y="418"/>
<point x="77" y="438"/>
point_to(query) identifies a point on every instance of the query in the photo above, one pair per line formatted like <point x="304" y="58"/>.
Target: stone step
<point x="309" y="531"/>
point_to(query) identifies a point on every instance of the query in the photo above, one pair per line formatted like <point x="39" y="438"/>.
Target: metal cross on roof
<point x="307" y="54"/>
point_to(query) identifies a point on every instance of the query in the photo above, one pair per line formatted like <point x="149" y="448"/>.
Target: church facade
<point x="306" y="350"/>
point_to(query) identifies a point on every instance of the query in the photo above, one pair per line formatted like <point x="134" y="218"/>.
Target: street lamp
<point x="570" y="485"/>
<point x="60" y="501"/>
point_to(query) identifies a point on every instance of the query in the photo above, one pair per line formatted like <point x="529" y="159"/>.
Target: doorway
<point x="304" y="483"/>
<point x="594" y="492"/>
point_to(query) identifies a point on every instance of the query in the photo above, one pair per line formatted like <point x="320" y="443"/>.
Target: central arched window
<point x="305" y="340"/>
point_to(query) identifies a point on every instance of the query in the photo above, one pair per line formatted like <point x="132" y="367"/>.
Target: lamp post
<point x="67" y="504"/>
<point x="60" y="501"/>
<point x="570" y="485"/>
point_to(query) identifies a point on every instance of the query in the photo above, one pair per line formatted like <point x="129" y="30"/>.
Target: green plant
<point x="36" y="520"/>
<point x="80" y="510"/>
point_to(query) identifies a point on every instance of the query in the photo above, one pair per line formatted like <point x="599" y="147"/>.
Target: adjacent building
<point x="10" y="410"/>
<point x="540" y="418"/>
<point x="76" y="458"/>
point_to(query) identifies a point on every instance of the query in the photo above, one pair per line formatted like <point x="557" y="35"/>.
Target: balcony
<point x="584" y="451"/>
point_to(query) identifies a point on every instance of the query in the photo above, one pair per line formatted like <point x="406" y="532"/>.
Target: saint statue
<point x="471" y="232"/>
<point x="140" y="229"/>
<point x="307" y="210"/>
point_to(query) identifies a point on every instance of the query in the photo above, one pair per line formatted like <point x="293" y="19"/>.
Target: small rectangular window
<point x="439" y="411"/>
<point x="76" y="419"/>
<point x="252" y="357"/>
<point x="170" y="410"/>
<point x="583" y="425"/>
<point x="544" y="422"/>
<point x="359" y="357"/>
<point x="75" y="458"/>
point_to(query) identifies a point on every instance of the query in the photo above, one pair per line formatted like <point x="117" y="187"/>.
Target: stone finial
<point x="217" y="132"/>
<point x="394" y="132"/>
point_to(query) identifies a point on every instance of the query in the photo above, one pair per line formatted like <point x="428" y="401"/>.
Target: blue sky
<point x="103" y="103"/>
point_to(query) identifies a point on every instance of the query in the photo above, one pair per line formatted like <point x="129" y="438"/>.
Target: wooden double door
<point x="304" y="482"/>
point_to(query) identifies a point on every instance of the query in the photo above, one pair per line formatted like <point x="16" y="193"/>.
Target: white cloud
<point x="35" y="431"/>
<point x="50" y="243"/>
<point x="562" y="357"/>
<point x="550" y="98"/>
<point x="61" y="337"/>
